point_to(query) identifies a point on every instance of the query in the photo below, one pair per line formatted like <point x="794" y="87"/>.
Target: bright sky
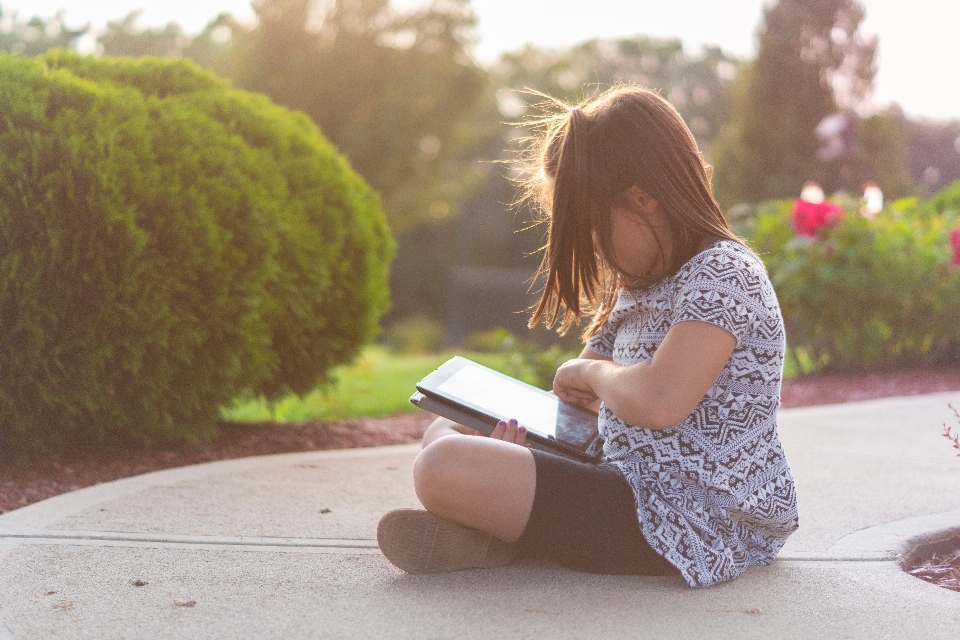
<point x="917" y="38"/>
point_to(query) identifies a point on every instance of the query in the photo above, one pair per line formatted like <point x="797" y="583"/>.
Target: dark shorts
<point x="584" y="518"/>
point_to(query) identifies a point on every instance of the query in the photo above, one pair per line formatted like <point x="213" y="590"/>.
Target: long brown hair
<point x="583" y="160"/>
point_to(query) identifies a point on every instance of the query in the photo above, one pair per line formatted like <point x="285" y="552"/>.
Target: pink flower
<point x="810" y="217"/>
<point x="955" y="243"/>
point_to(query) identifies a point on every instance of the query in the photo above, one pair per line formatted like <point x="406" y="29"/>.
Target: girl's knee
<point x="438" y="469"/>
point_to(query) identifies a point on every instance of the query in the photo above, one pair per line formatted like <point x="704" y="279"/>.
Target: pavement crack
<point x="182" y="541"/>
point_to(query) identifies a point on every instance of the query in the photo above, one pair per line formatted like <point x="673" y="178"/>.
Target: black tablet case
<point x="469" y="417"/>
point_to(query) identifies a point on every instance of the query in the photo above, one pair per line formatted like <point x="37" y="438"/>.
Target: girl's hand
<point x="510" y="431"/>
<point x="570" y="383"/>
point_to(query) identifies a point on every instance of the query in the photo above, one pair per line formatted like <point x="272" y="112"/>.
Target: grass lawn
<point x="379" y="383"/>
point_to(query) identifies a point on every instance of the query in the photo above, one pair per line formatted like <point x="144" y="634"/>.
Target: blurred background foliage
<point x="433" y="130"/>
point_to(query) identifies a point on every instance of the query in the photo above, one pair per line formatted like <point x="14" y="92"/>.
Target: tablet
<point x="478" y="397"/>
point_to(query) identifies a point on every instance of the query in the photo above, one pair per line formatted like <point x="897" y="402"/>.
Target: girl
<point x="683" y="361"/>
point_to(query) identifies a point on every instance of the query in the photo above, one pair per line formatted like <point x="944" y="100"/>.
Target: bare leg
<point x="444" y="427"/>
<point x="481" y="483"/>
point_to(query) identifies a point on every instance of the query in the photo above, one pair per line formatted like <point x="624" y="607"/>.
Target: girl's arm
<point x="591" y="401"/>
<point x="657" y="394"/>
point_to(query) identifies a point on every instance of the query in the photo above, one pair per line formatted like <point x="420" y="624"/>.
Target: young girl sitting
<point x="683" y="361"/>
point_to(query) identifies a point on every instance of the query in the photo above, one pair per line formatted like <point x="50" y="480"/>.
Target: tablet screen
<point x="537" y="410"/>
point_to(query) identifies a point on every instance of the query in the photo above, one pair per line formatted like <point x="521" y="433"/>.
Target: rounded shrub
<point x="865" y="293"/>
<point x="168" y="244"/>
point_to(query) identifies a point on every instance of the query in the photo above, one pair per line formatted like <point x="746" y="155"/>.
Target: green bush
<point x="946" y="202"/>
<point x="526" y="360"/>
<point x="866" y="293"/>
<point x="166" y="245"/>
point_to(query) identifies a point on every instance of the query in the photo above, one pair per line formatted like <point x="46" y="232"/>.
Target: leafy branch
<point x="948" y="431"/>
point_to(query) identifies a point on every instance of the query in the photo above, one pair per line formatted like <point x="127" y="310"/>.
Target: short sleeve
<point x="602" y="341"/>
<point x="725" y="288"/>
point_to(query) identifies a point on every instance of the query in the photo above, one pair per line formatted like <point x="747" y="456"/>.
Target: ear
<point x="642" y="200"/>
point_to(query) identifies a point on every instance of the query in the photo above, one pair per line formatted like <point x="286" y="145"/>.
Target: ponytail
<point x="585" y="161"/>
<point x="569" y="261"/>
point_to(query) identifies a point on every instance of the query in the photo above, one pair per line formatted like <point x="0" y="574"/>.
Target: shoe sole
<point x="418" y="541"/>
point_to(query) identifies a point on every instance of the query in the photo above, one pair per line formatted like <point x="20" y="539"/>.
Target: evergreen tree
<point x="397" y="93"/>
<point x="812" y="62"/>
<point x="698" y="86"/>
<point x="124" y="38"/>
<point x="36" y="35"/>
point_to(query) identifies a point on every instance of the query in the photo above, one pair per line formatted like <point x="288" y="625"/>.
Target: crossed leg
<point x="478" y="482"/>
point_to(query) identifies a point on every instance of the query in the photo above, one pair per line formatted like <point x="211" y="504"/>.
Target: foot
<point x="418" y="541"/>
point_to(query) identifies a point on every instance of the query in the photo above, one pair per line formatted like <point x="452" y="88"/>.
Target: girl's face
<point x="638" y="229"/>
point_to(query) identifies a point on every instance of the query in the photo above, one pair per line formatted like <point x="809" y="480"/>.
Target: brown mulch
<point x="943" y="571"/>
<point x="50" y="476"/>
<point x="837" y="387"/>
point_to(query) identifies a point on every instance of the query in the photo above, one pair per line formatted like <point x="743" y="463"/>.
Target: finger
<point x="562" y="391"/>
<point x="587" y="398"/>
<point x="498" y="430"/>
<point x="510" y="433"/>
<point x="522" y="436"/>
<point x="558" y="387"/>
<point x="572" y="395"/>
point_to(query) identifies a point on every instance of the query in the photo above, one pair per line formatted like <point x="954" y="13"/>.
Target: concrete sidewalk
<point x="283" y="547"/>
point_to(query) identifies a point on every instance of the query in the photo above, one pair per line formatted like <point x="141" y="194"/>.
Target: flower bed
<point x="862" y="293"/>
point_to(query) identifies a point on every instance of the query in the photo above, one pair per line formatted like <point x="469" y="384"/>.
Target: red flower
<point x="955" y="243"/>
<point x="810" y="217"/>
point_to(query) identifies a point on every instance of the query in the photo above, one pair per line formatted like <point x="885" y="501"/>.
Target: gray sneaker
<point x="418" y="541"/>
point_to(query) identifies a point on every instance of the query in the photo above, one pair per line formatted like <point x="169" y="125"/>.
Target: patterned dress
<point x="714" y="493"/>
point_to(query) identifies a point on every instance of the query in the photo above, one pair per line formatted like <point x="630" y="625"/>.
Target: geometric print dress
<point x="714" y="494"/>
